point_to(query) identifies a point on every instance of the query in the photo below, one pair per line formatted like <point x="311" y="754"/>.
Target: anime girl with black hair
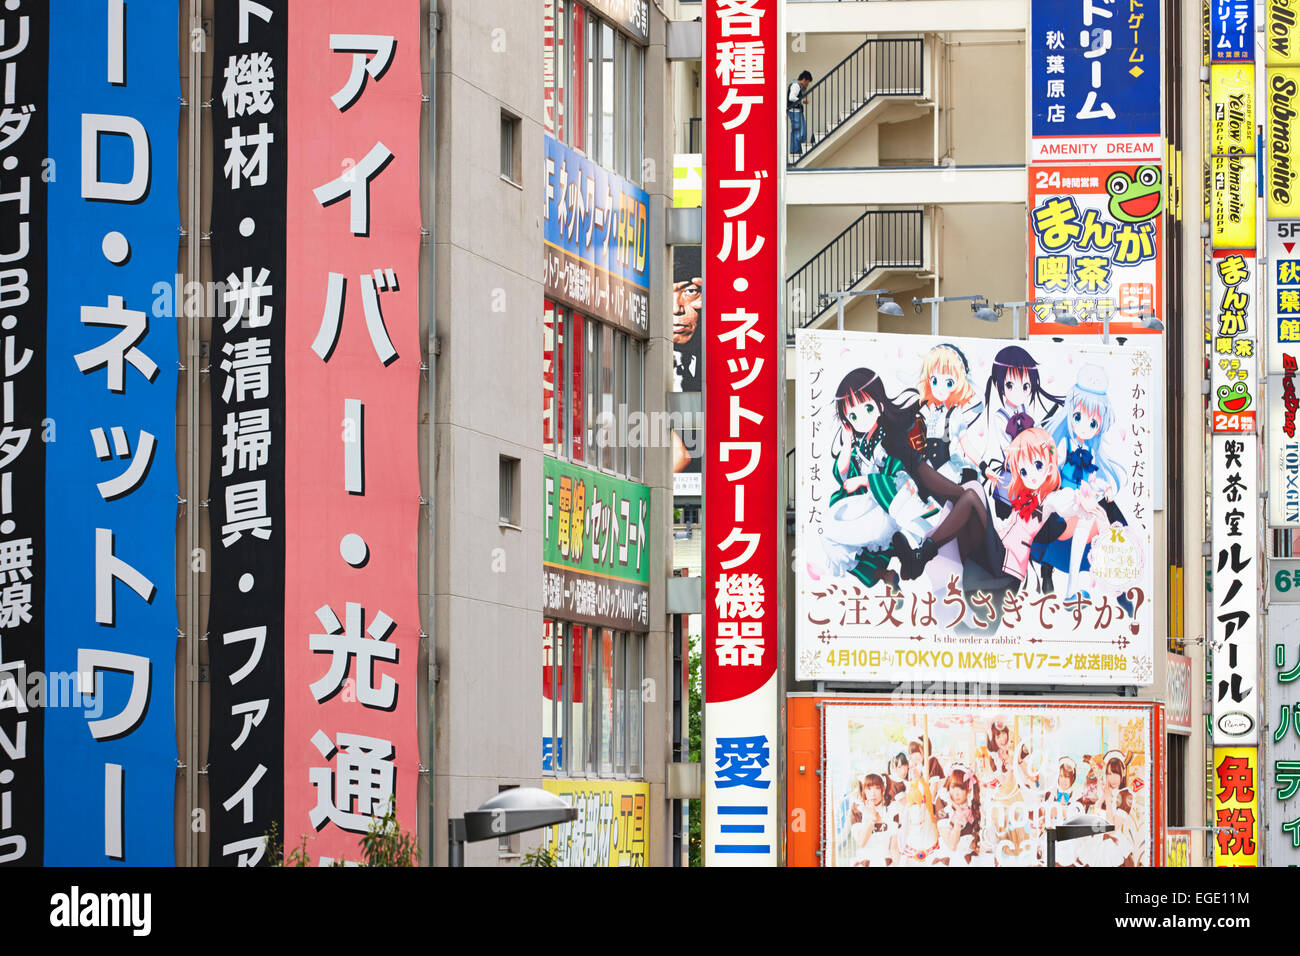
<point x="1021" y="397"/>
<point x="876" y="497"/>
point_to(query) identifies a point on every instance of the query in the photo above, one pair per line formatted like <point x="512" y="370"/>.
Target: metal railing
<point x="878" y="239"/>
<point x="888" y="67"/>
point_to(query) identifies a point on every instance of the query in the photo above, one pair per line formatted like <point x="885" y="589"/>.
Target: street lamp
<point x="979" y="306"/>
<point x="1082" y="825"/>
<point x="1106" y="311"/>
<point x="885" y="304"/>
<point x="1015" y="308"/>
<point x="510" y="811"/>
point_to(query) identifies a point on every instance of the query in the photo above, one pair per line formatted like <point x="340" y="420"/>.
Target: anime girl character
<point x="950" y="407"/>
<point x="872" y="827"/>
<point x="1087" y="465"/>
<point x="875" y="498"/>
<point x="1036" y="495"/>
<point x="1040" y="511"/>
<point x="959" y="817"/>
<point x="1021" y="396"/>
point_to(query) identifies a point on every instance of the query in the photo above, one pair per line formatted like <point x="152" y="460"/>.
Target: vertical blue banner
<point x="1095" y="71"/>
<point x="1232" y="31"/>
<point x="111" y="372"/>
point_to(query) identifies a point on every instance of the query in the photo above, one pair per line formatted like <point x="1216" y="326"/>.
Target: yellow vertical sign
<point x="1236" y="806"/>
<point x="1232" y="109"/>
<point x="1282" y="108"/>
<point x="1282" y="36"/>
<point x="1232" y="202"/>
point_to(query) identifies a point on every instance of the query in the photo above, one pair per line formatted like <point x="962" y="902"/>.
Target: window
<point x="510" y="163"/>
<point x="555" y="70"/>
<point x="593" y="393"/>
<point x="552" y="697"/>
<point x="1176" y="780"/>
<point x="508" y="491"/>
<point x="593" y="80"/>
<point x="635" y="116"/>
<point x="636" y="406"/>
<point x="608" y="436"/>
<point x="592" y="711"/>
<point x="575" y="727"/>
<point x="577" y="88"/>
<point x="608" y="93"/>
<point x="634" y="706"/>
<point x="592" y="389"/>
<point x="554" y="367"/>
<point x="577" y="362"/>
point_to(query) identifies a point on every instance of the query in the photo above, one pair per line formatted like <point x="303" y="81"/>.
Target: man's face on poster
<point x="688" y="296"/>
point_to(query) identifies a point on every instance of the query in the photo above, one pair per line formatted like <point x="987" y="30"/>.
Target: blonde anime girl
<point x="950" y="408"/>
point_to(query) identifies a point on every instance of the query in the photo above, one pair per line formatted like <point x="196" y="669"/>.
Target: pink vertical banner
<point x="352" y="373"/>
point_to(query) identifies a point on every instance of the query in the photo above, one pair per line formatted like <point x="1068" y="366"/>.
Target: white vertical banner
<point x="1235" y="595"/>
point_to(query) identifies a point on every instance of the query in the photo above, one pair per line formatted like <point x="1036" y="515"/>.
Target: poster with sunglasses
<point x="973" y="510"/>
<point x="978" y="782"/>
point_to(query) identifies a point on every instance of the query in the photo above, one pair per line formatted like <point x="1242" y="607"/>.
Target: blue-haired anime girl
<point x="1087" y="465"/>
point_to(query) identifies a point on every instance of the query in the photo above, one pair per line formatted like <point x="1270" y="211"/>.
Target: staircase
<point x="875" y="71"/>
<point x="891" y="239"/>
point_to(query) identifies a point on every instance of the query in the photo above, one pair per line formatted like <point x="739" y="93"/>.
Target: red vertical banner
<point x="352" y="377"/>
<point x="742" y="271"/>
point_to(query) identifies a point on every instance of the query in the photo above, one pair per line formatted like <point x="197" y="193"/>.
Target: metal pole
<point x="455" y="841"/>
<point x="839" y="311"/>
<point x="1105" y="329"/>
<point x="1051" y="848"/>
<point x="1015" y="322"/>
<point x="431" y="450"/>
<point x="934" y="319"/>
<point x="193" y="225"/>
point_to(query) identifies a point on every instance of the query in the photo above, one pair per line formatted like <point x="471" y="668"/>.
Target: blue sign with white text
<point x="111" y="375"/>
<point x="596" y="230"/>
<point x="1232" y="31"/>
<point x="1095" y="71"/>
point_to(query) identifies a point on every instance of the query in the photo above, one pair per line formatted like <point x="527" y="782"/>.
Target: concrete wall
<point x="488" y="235"/>
<point x="488" y="613"/>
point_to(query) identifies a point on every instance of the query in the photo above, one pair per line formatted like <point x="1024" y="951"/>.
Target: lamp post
<point x="979" y="306"/>
<point x="1082" y="825"/>
<point x="510" y="811"/>
<point x="886" y="307"/>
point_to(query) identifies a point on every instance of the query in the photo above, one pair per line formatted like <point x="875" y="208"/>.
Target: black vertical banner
<point x="24" y="688"/>
<point x="246" y="624"/>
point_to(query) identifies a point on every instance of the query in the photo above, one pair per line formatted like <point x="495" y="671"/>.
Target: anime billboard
<point x="978" y="782"/>
<point x="971" y="509"/>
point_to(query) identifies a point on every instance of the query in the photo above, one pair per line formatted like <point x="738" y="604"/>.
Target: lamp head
<point x="983" y="311"/>
<point x="1062" y="317"/>
<point x="885" y="305"/>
